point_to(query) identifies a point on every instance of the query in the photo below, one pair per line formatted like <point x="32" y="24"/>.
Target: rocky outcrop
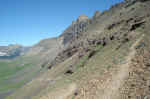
<point x="56" y="50"/>
<point x="131" y="2"/>
<point x="75" y="29"/>
<point x="96" y="15"/>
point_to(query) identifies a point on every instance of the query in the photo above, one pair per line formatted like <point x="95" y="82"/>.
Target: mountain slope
<point x="21" y="64"/>
<point x="48" y="49"/>
<point x="110" y="50"/>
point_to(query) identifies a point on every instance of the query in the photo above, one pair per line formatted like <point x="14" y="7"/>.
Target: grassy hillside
<point x="16" y="73"/>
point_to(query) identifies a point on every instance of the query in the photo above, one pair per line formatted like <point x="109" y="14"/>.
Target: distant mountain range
<point x="12" y="51"/>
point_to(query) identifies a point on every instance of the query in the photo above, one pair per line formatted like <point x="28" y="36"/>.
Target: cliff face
<point x="48" y="49"/>
<point x="75" y="29"/>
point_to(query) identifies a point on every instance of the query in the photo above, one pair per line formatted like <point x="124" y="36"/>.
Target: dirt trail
<point x="62" y="93"/>
<point x="112" y="86"/>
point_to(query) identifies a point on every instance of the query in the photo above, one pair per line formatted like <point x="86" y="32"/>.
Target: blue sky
<point x="27" y="22"/>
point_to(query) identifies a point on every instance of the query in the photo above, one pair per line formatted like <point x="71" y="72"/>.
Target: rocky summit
<point x="106" y="56"/>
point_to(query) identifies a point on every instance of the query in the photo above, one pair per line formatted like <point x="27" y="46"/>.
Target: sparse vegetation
<point x="82" y="62"/>
<point x="8" y="70"/>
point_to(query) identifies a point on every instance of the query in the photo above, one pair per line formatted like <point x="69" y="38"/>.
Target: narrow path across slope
<point x="117" y="80"/>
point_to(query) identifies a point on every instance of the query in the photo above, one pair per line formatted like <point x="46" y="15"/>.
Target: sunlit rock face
<point x="75" y="28"/>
